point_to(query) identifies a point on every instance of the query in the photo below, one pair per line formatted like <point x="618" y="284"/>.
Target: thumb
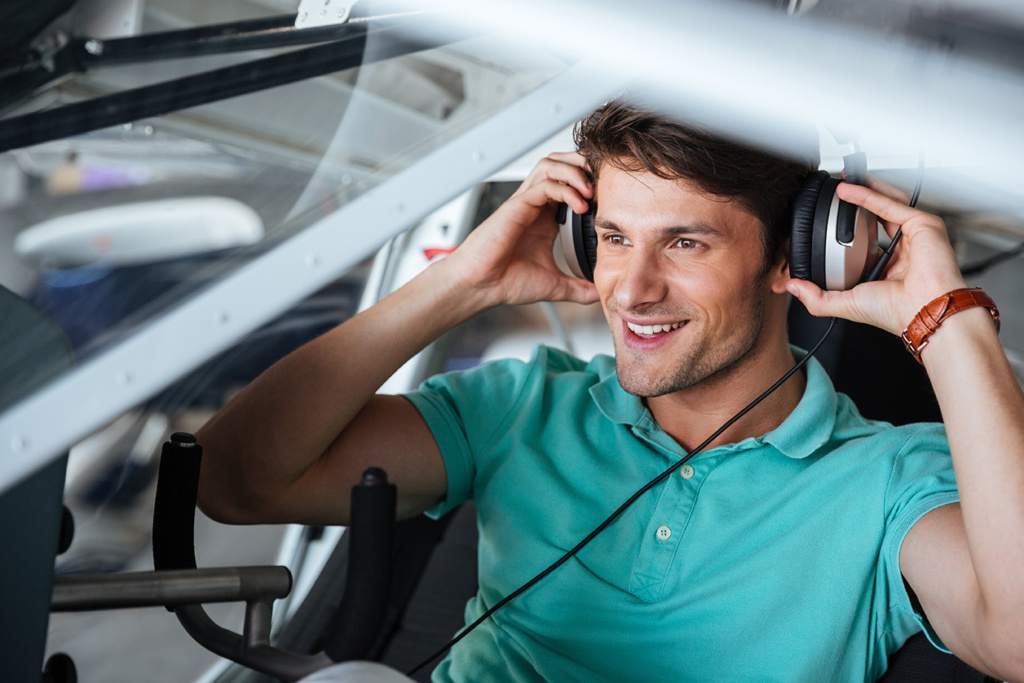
<point x="578" y="290"/>
<point x="818" y="302"/>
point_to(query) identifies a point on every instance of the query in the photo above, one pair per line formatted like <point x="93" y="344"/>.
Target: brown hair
<point x="635" y="139"/>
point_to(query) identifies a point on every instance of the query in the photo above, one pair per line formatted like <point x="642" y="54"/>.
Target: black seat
<point x="919" y="662"/>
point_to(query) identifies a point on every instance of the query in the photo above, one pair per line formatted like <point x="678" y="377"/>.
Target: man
<point x="782" y="552"/>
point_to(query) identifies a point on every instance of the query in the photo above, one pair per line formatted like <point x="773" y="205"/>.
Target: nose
<point x="639" y="281"/>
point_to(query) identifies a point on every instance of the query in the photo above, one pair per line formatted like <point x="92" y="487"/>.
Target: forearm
<point x="279" y="426"/>
<point x="983" y="409"/>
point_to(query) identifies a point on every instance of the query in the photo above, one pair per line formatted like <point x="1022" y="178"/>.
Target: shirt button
<point x="686" y="472"/>
<point x="663" y="533"/>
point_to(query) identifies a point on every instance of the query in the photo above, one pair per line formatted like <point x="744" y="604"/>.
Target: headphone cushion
<point x="589" y="234"/>
<point x="801" y="241"/>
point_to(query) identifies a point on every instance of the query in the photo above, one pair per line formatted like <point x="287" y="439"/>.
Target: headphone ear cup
<point x="807" y="236"/>
<point x="579" y="239"/>
<point x="588" y="236"/>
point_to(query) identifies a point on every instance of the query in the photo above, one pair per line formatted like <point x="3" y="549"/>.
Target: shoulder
<point x="852" y="425"/>
<point x="545" y="369"/>
<point x="543" y="361"/>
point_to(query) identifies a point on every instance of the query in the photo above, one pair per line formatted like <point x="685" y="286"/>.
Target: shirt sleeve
<point x="465" y="411"/>
<point x="922" y="480"/>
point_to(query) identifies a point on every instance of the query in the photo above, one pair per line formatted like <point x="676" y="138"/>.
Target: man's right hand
<point x="508" y="259"/>
<point x="289" y="447"/>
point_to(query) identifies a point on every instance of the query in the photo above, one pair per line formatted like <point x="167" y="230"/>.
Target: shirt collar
<point x="800" y="434"/>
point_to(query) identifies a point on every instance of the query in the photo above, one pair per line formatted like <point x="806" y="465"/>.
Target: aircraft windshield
<point x="106" y="230"/>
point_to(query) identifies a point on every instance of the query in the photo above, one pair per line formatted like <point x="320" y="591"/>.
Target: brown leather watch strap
<point x="928" y="319"/>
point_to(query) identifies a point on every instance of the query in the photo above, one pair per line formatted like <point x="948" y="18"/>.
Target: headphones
<point x="833" y="243"/>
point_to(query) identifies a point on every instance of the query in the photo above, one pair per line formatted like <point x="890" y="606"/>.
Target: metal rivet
<point x="312" y="260"/>
<point x="19" y="443"/>
<point x="224" y="318"/>
<point x="399" y="207"/>
<point x="478" y="156"/>
<point x="124" y="378"/>
<point x="556" y="108"/>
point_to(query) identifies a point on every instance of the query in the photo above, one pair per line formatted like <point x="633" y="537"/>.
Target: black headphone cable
<point x="883" y="261"/>
<point x="622" y="508"/>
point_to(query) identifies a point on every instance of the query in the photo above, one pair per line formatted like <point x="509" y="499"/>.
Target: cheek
<point x="719" y="294"/>
<point x="605" y="277"/>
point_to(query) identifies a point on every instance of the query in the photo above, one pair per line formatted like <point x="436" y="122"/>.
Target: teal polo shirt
<point x="772" y="559"/>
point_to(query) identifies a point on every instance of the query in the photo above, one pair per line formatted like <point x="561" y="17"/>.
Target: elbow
<point x="222" y="495"/>
<point x="1005" y="651"/>
<point x="1016" y="668"/>
<point x="217" y="503"/>
<point x="1011" y="672"/>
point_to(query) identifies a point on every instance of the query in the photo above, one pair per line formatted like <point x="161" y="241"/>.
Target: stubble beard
<point x="708" y="362"/>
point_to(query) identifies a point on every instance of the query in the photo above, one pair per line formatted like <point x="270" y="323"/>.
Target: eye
<point x="616" y="239"/>
<point x="685" y="243"/>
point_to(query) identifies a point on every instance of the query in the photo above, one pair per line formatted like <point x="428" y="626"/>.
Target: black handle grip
<point x="174" y="516"/>
<point x="368" y="580"/>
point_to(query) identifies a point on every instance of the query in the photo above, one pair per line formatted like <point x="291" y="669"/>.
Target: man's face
<point x="680" y="276"/>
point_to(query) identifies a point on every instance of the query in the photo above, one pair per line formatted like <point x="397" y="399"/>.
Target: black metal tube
<point x="257" y="34"/>
<point x="281" y="664"/>
<point x="82" y="54"/>
<point x="88" y="592"/>
<point x="368" y="580"/>
<point x="256" y="628"/>
<point x="192" y="91"/>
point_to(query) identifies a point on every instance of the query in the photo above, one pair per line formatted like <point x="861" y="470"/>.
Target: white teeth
<point x="652" y="329"/>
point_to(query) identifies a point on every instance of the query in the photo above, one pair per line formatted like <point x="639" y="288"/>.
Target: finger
<point x="882" y="187"/>
<point x="574" y="158"/>
<point x="576" y="289"/>
<point x="549" y="189"/>
<point x="563" y="171"/>
<point x="890" y="227"/>
<point x="822" y="303"/>
<point x="886" y="208"/>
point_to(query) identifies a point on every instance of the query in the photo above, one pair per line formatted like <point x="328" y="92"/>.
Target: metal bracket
<point x="313" y="13"/>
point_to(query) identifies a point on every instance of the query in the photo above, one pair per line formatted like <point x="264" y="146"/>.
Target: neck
<point x="691" y="415"/>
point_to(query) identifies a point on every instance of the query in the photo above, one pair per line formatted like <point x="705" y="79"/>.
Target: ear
<point x="778" y="276"/>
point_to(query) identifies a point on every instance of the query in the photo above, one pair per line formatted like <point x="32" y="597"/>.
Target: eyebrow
<point x="697" y="228"/>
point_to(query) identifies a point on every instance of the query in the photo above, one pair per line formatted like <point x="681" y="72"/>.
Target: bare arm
<point x="964" y="562"/>
<point x="291" y="445"/>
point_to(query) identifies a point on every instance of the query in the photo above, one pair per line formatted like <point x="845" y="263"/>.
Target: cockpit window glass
<point x="32" y="349"/>
<point x="106" y="230"/>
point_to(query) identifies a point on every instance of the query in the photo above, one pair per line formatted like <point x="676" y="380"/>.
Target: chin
<point x="649" y="383"/>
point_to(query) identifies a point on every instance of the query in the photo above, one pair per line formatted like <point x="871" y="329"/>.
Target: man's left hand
<point x="922" y="268"/>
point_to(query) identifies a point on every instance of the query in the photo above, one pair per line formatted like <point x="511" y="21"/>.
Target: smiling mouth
<point x="653" y="329"/>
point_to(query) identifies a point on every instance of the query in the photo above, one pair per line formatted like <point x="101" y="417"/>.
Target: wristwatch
<point x="928" y="319"/>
